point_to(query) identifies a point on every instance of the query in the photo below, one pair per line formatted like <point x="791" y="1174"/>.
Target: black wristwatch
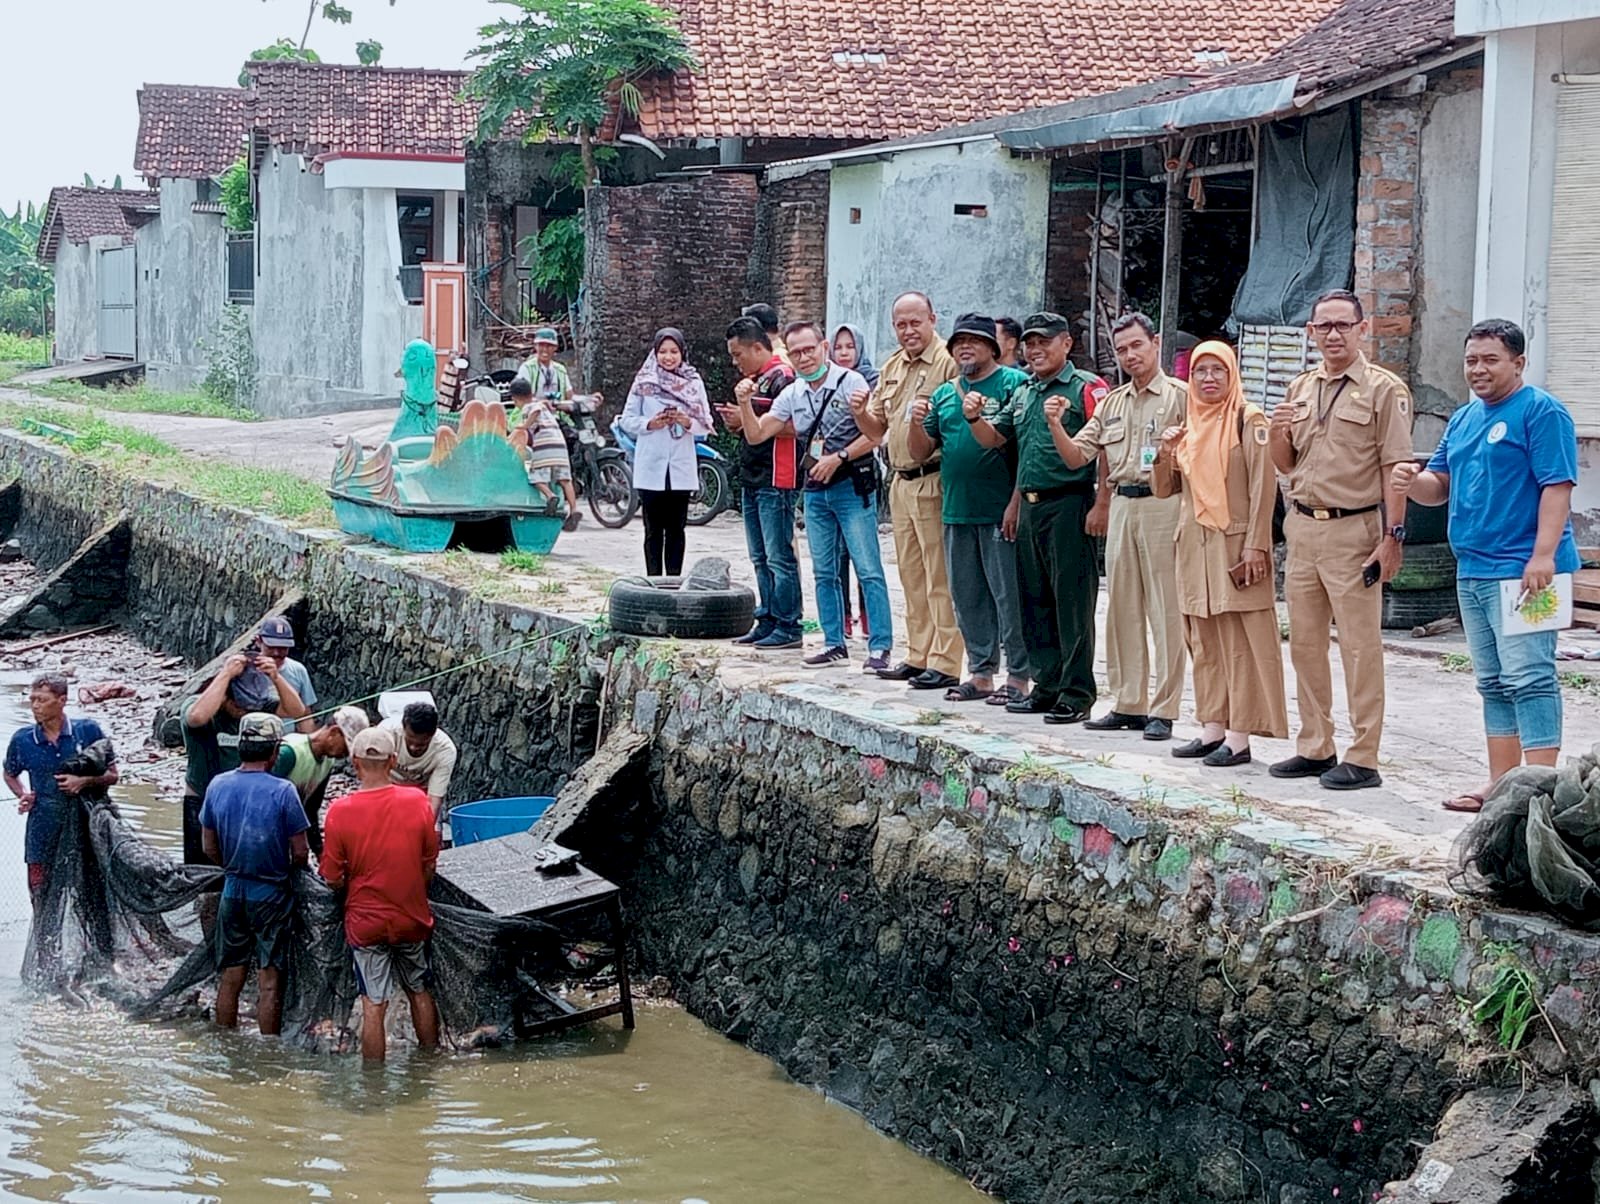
<point x="1397" y="533"/>
<point x="973" y="420"/>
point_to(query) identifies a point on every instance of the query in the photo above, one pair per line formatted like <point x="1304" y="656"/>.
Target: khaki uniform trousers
<point x="1142" y="589"/>
<point x="932" y="635"/>
<point x="1322" y="584"/>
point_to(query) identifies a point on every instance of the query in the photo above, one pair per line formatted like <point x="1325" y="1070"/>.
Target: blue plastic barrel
<point x="491" y="817"/>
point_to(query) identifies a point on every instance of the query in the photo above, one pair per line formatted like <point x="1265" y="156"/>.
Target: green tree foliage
<point x="559" y="62"/>
<point x="239" y="210"/>
<point x="26" y="285"/>
<point x="282" y="50"/>
<point x="367" y="50"/>
<point x="558" y="266"/>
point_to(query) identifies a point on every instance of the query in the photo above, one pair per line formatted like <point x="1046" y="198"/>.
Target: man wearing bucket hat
<point x="547" y="375"/>
<point x="248" y="681"/>
<point x="979" y="546"/>
<point x="381" y="848"/>
<point x="253" y="826"/>
<point x="1055" y="551"/>
<point x="306" y="761"/>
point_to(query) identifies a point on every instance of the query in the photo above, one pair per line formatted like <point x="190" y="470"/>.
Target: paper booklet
<point x="1550" y="609"/>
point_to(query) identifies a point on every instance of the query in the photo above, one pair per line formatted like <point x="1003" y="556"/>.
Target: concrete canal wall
<point x="1067" y="983"/>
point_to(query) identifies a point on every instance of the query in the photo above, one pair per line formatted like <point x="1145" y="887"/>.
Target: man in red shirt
<point x="380" y="845"/>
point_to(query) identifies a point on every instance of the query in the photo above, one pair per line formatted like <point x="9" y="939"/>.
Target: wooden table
<point x="503" y="877"/>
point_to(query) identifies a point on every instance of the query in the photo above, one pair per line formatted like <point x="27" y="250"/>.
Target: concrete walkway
<point x="1433" y="740"/>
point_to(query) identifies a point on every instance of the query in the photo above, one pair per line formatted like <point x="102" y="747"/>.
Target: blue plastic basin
<point x="491" y="817"/>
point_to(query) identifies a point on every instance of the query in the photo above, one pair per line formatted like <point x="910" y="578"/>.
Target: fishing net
<point x="1536" y="843"/>
<point x="121" y="919"/>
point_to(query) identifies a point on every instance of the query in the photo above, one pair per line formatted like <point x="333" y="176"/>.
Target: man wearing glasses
<point x="1336" y="437"/>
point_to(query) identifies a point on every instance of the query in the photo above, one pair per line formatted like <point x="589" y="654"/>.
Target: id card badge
<point x="1147" y="458"/>
<point x="816" y="447"/>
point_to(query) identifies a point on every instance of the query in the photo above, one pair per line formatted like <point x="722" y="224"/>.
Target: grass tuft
<point x="521" y="562"/>
<point x="265" y="490"/>
<point x="141" y="399"/>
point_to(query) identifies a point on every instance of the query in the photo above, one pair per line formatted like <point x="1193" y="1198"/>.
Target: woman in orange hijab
<point x="1219" y="462"/>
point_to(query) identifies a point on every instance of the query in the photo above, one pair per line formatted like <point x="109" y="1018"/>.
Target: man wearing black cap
<point x="248" y="681"/>
<point x="979" y="545"/>
<point x="1055" y="554"/>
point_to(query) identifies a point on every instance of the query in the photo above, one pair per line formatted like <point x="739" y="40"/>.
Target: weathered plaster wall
<point x="910" y="236"/>
<point x="331" y="321"/>
<point x="1448" y="227"/>
<point x="77" y="305"/>
<point x="181" y="266"/>
<point x="1064" y="985"/>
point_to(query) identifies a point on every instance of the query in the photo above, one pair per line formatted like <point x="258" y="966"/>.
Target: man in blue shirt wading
<point x="253" y="826"/>
<point x="1507" y="465"/>
<point x="38" y="751"/>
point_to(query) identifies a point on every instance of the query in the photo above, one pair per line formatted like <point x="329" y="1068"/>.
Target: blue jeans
<point x="769" y="537"/>
<point x="836" y="516"/>
<point x="1516" y="674"/>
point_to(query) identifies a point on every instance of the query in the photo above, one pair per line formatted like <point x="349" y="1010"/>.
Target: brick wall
<point x="670" y="253"/>
<point x="1386" y="227"/>
<point x="1066" y="272"/>
<point x="790" y="267"/>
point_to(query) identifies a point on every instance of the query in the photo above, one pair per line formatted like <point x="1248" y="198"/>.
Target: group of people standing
<point x="1001" y="479"/>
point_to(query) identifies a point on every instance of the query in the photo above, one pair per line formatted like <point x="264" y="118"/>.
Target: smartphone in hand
<point x="1370" y="574"/>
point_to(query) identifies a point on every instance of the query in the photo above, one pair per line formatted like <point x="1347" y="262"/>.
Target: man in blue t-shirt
<point x="39" y="752"/>
<point x="253" y="826"/>
<point x="1507" y="465"/>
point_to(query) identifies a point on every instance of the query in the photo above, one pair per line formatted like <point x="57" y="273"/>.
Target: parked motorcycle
<point x="712" y="494"/>
<point x="600" y="473"/>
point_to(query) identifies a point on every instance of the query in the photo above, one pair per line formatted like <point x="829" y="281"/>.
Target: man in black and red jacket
<point x="769" y="477"/>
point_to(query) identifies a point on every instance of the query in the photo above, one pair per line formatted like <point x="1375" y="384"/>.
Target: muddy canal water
<point x="94" y="1107"/>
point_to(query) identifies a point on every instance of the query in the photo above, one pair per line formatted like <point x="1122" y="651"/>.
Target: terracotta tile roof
<point x="190" y="133"/>
<point x="79" y="214"/>
<point x="323" y="108"/>
<point x="1359" y="41"/>
<point x="826" y="69"/>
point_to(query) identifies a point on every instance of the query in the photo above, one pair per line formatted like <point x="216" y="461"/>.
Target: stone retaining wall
<point x="1066" y="983"/>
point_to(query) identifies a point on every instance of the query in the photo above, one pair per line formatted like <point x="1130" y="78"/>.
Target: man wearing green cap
<point x="1055" y="553"/>
<point x="547" y="376"/>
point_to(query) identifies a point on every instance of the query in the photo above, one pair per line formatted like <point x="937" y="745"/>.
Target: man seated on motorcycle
<point x="548" y="377"/>
<point x="547" y="459"/>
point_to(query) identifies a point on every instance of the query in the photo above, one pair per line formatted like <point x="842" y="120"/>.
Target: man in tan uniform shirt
<point x="921" y="365"/>
<point x="1141" y="570"/>
<point x="1336" y="436"/>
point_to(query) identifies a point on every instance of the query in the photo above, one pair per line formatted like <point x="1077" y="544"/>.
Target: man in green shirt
<point x="306" y="761"/>
<point x="1056" y="556"/>
<point x="979" y="545"/>
<point x="547" y="376"/>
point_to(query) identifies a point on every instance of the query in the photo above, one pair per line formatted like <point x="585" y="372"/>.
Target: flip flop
<point x="966" y="692"/>
<point x="1469" y="803"/>
<point x="1005" y="694"/>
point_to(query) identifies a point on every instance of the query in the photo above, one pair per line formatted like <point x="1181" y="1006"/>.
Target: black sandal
<point x="966" y="692"/>
<point x="1007" y="693"/>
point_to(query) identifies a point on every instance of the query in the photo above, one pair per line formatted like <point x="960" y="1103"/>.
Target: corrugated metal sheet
<point x="1269" y="358"/>
<point x="1210" y="106"/>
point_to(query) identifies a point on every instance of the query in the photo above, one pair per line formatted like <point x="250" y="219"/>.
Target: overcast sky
<point x="67" y="88"/>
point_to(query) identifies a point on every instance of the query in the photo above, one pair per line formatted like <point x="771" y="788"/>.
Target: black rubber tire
<point x="711" y="495"/>
<point x="1426" y="524"/>
<point x="655" y="606"/>
<point x="1413" y="608"/>
<point x="612" y="497"/>
<point x="1427" y="566"/>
